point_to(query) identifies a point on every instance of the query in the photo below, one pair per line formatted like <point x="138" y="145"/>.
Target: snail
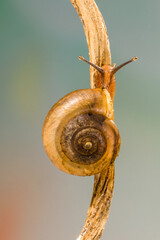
<point x="79" y="134"/>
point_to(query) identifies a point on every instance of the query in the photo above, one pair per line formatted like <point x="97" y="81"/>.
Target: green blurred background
<point x="39" y="49"/>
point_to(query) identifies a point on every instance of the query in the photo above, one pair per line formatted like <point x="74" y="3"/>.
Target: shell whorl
<point x="79" y="135"/>
<point x="83" y="140"/>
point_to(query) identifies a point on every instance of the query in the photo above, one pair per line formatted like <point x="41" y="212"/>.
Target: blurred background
<point x="40" y="45"/>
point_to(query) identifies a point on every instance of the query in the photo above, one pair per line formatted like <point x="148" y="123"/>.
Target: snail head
<point x="107" y="71"/>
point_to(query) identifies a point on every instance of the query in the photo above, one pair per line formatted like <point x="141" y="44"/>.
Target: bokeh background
<point x="39" y="49"/>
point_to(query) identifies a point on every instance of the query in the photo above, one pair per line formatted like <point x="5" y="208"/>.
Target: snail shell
<point x="79" y="134"/>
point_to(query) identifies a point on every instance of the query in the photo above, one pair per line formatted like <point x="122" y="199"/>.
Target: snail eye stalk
<point x="99" y="69"/>
<point x="115" y="69"/>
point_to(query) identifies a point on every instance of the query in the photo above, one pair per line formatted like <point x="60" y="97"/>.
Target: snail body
<point x="79" y="134"/>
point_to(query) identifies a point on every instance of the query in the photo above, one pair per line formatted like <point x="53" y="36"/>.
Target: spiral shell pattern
<point x="79" y="135"/>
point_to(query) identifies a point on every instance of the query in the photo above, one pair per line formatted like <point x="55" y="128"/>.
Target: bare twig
<point x="99" y="208"/>
<point x="99" y="52"/>
<point x="96" y="34"/>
